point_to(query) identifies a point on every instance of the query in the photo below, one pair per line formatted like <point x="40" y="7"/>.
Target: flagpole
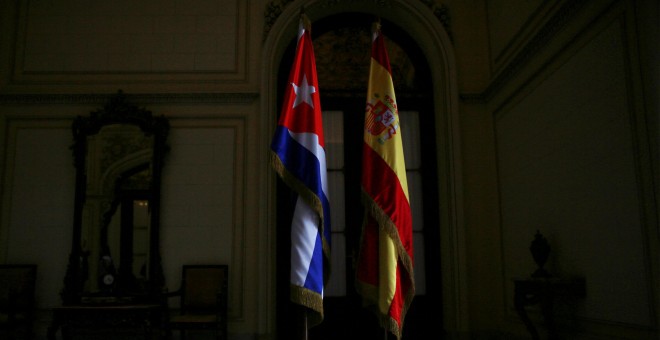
<point x="305" y="327"/>
<point x="301" y="326"/>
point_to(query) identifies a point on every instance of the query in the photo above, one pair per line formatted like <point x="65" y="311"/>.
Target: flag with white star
<point x="298" y="157"/>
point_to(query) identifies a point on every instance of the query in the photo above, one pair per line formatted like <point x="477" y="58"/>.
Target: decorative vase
<point x="540" y="251"/>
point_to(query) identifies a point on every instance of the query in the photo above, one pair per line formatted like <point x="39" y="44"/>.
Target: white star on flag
<point x="303" y="92"/>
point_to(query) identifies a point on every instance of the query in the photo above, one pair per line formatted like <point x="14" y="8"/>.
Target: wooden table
<point x="543" y="291"/>
<point x="131" y="321"/>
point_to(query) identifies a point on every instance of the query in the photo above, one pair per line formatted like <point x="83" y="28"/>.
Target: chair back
<point x="17" y="300"/>
<point x="203" y="286"/>
<point x="18" y="285"/>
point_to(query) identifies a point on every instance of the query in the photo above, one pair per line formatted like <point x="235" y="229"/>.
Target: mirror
<point x="118" y="155"/>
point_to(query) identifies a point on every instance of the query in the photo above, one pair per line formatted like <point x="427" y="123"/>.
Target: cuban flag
<point x="298" y="157"/>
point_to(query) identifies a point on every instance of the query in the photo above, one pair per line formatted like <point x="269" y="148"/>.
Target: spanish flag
<point x="384" y="274"/>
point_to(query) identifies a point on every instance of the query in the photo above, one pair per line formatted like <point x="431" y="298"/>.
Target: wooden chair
<point x="203" y="297"/>
<point x="17" y="299"/>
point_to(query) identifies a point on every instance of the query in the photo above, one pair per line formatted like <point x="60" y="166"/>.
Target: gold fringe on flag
<point x="388" y="226"/>
<point x="299" y="187"/>
<point x="309" y="196"/>
<point x="311" y="300"/>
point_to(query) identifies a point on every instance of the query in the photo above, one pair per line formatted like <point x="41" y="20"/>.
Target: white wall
<point x="198" y="200"/>
<point x="569" y="166"/>
<point x="41" y="214"/>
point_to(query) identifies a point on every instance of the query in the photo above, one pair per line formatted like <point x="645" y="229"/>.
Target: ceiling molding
<point x="274" y="9"/>
<point x="536" y="44"/>
<point x="147" y="98"/>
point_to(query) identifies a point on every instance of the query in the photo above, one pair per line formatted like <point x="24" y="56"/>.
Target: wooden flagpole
<point x="305" y="327"/>
<point x="300" y="322"/>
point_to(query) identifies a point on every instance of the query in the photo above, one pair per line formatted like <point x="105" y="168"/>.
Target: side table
<point x="142" y="321"/>
<point x="543" y="291"/>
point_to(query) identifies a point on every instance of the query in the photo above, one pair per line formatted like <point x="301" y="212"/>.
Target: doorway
<point x="342" y="46"/>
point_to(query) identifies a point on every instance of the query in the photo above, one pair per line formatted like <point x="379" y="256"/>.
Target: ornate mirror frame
<point x="118" y="111"/>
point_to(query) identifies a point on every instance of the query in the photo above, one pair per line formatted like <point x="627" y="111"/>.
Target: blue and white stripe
<point x="303" y="157"/>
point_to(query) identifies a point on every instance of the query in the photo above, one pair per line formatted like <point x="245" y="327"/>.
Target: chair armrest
<point x="221" y="303"/>
<point x="9" y="306"/>
<point x="172" y="294"/>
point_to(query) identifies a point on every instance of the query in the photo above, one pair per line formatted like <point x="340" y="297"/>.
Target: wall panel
<point x="38" y="201"/>
<point x="199" y="44"/>
<point x="202" y="210"/>
<point x="567" y="168"/>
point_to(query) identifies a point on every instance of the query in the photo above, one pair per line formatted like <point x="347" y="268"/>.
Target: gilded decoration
<point x="339" y="71"/>
<point x="343" y="54"/>
<point x="275" y="7"/>
<point x="120" y="144"/>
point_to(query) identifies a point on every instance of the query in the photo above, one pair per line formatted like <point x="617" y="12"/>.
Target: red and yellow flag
<point x="384" y="274"/>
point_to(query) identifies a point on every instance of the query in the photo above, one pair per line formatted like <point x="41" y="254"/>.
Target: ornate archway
<point x="423" y="23"/>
